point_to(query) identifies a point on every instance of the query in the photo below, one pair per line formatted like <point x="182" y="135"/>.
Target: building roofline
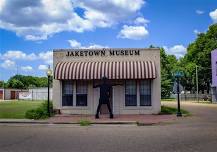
<point x="70" y="49"/>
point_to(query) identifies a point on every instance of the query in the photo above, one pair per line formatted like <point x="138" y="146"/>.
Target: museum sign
<point x="103" y="52"/>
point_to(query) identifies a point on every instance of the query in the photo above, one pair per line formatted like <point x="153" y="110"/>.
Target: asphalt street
<point x="192" y="134"/>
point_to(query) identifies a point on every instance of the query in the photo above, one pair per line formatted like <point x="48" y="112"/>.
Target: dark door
<point x="13" y="95"/>
<point x="1" y="94"/>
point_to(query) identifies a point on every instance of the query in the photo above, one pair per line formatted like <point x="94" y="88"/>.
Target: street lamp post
<point x="197" y="82"/>
<point x="178" y="75"/>
<point x="49" y="73"/>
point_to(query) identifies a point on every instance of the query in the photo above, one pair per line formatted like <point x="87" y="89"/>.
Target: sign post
<point x="178" y="75"/>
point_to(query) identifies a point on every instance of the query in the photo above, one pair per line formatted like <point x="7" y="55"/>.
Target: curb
<point x="77" y="123"/>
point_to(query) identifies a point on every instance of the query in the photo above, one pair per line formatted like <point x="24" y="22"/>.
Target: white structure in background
<point x="40" y="93"/>
<point x="28" y="94"/>
<point x="25" y="96"/>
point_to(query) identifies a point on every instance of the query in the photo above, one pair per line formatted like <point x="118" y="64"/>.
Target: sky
<point x="31" y="29"/>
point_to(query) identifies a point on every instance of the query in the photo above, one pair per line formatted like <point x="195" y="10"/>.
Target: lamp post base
<point x="179" y="114"/>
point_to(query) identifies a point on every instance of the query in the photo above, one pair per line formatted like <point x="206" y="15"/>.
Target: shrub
<point x="84" y="122"/>
<point x="40" y="112"/>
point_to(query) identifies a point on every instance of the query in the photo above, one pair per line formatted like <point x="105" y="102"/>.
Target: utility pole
<point x="17" y="68"/>
<point x="197" y="82"/>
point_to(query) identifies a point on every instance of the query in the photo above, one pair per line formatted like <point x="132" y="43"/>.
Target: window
<point x="130" y="93"/>
<point x="145" y="92"/>
<point x="81" y="93"/>
<point x="67" y="93"/>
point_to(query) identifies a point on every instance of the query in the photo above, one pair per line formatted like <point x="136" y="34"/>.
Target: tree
<point x="199" y="53"/>
<point x="2" y="84"/>
<point x="25" y="82"/>
<point x="15" y="83"/>
<point x="168" y="67"/>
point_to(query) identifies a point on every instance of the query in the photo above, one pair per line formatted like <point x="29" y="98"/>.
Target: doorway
<point x="104" y="108"/>
<point x="1" y="94"/>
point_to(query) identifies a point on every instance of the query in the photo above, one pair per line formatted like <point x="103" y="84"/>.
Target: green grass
<point x="171" y="110"/>
<point x="84" y="122"/>
<point x="169" y="99"/>
<point x="16" y="109"/>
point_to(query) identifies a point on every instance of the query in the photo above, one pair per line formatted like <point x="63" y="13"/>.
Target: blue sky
<point x="30" y="29"/>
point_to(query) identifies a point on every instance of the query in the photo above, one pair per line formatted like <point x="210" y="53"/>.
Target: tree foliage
<point x="168" y="66"/>
<point x="25" y="82"/>
<point x="199" y="53"/>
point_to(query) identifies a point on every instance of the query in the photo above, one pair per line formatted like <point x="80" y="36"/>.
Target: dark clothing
<point x="105" y="92"/>
<point x="109" y="108"/>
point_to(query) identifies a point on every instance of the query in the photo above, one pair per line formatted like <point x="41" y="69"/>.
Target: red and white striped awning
<point x="111" y="70"/>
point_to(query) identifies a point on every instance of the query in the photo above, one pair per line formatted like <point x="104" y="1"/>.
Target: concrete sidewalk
<point x="118" y="119"/>
<point x="104" y="119"/>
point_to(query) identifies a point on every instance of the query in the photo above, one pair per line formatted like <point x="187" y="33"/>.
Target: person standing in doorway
<point x="105" y="96"/>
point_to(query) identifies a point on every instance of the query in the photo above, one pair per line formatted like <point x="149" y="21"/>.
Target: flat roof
<point x="86" y="49"/>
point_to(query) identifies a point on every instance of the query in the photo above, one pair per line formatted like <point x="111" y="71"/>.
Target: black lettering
<point x="85" y="53"/>
<point x="131" y="52"/>
<point x="122" y="52"/>
<point x="117" y="52"/>
<point x="111" y="53"/>
<point x="96" y="53"/>
<point x="90" y="53"/>
<point x="81" y="53"/>
<point x="126" y="52"/>
<point x="137" y="52"/>
<point x="76" y="53"/>
<point x="72" y="53"/>
<point x="103" y="53"/>
<point x="67" y="53"/>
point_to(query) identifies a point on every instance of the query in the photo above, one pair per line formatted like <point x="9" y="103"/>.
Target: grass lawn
<point x="16" y="109"/>
<point x="171" y="110"/>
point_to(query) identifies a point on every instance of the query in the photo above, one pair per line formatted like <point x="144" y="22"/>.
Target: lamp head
<point x="49" y="72"/>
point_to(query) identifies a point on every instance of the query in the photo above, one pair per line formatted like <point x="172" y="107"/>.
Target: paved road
<point x="192" y="134"/>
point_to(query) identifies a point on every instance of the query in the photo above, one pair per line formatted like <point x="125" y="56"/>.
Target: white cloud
<point x="213" y="15"/>
<point x="199" y="12"/>
<point x="76" y="44"/>
<point x="8" y="64"/>
<point x="177" y="50"/>
<point x="42" y="67"/>
<point x="141" y="21"/>
<point x="40" y="19"/>
<point x="2" y="3"/>
<point x="196" y="32"/>
<point x="47" y="57"/>
<point x="95" y="46"/>
<point x="133" y="32"/>
<point x="26" y="68"/>
<point x="103" y="13"/>
<point x="16" y="54"/>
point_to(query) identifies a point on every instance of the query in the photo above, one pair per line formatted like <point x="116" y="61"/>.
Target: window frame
<point x="147" y="95"/>
<point x="134" y="95"/>
<point x="81" y="94"/>
<point x="70" y="96"/>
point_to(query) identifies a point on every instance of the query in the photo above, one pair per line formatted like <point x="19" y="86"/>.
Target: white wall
<point x="118" y="92"/>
